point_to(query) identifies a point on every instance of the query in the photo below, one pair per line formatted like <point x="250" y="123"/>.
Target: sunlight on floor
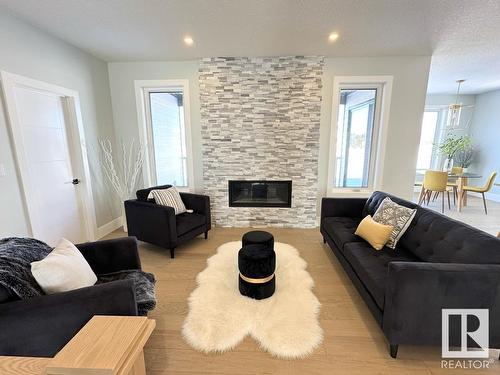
<point x="473" y="214"/>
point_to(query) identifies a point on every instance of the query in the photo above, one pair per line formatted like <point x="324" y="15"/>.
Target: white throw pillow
<point x="63" y="269"/>
<point x="169" y="197"/>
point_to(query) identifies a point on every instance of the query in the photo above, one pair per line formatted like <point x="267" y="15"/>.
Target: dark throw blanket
<point x="16" y="255"/>
<point x="144" y="283"/>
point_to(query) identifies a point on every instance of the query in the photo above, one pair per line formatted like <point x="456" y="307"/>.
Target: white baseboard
<point x="109" y="227"/>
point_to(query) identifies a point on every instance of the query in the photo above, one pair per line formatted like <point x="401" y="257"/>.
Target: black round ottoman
<point x="258" y="237"/>
<point x="257" y="264"/>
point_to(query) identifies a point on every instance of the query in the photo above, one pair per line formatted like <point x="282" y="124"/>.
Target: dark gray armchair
<point x="41" y="326"/>
<point x="157" y="224"/>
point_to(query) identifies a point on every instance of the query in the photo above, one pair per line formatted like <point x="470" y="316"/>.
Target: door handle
<point x="75" y="181"/>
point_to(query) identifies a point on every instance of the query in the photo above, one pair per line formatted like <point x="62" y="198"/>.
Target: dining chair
<point x="434" y="181"/>
<point x="481" y="189"/>
<point x="453" y="184"/>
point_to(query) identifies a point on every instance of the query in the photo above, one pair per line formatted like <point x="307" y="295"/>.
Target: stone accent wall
<point x="260" y="119"/>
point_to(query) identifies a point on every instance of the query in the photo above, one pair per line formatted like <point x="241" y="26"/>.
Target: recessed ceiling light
<point x="188" y="41"/>
<point x="333" y="37"/>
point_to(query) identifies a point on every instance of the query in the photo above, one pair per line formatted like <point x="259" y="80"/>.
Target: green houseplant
<point x="464" y="157"/>
<point x="451" y="146"/>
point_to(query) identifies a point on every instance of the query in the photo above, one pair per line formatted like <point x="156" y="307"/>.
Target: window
<point x="169" y="138"/>
<point x="360" y="110"/>
<point x="427" y="140"/>
<point x="165" y="131"/>
<point x="354" y="137"/>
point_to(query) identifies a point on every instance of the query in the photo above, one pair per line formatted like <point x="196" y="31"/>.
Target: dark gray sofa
<point x="41" y="326"/>
<point x="157" y="224"/>
<point x="438" y="263"/>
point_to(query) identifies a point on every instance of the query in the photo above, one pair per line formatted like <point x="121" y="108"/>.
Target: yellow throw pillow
<point x="374" y="233"/>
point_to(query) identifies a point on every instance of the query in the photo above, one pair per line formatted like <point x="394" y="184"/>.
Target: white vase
<point x="448" y="165"/>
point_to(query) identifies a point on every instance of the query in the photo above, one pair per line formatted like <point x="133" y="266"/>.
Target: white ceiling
<point x="462" y="35"/>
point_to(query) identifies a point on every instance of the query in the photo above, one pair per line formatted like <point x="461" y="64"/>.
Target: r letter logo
<point x="465" y="333"/>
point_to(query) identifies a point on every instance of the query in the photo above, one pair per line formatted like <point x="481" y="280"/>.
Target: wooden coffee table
<point x="105" y="345"/>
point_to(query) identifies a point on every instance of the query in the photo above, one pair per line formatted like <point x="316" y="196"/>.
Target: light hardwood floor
<point x="353" y="342"/>
<point x="473" y="214"/>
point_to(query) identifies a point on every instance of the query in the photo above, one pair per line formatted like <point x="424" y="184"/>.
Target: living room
<point x="249" y="187"/>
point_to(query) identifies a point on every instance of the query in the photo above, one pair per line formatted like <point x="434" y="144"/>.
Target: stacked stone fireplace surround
<point x="260" y="120"/>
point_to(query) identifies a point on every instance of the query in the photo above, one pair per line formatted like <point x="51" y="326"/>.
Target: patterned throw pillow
<point x="169" y="197"/>
<point x="400" y="217"/>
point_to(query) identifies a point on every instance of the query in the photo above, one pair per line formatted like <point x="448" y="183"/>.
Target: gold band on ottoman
<point x="256" y="281"/>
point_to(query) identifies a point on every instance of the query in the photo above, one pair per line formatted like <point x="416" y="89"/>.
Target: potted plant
<point x="450" y="146"/>
<point x="464" y="158"/>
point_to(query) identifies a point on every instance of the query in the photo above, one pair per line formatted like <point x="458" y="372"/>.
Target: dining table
<point x="462" y="180"/>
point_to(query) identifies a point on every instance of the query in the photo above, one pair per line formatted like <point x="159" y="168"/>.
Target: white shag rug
<point x="286" y="324"/>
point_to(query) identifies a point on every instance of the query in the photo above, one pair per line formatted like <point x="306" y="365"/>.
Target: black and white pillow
<point x="400" y="217"/>
<point x="169" y="197"/>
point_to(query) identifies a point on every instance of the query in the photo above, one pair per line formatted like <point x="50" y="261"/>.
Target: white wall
<point x="121" y="78"/>
<point x="485" y="132"/>
<point x="27" y="51"/>
<point x="405" y="121"/>
<point x="408" y="98"/>
<point x="441" y="103"/>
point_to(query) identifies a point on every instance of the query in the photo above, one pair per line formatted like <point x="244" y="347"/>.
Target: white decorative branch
<point x="122" y="174"/>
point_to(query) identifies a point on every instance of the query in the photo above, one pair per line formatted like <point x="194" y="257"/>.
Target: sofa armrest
<point x="151" y="222"/>
<point x="342" y="207"/>
<point x="416" y="292"/>
<point x="200" y="204"/>
<point x="111" y="255"/>
<point x="41" y="326"/>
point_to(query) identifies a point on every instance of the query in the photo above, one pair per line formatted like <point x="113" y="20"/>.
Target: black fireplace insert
<point x="260" y="193"/>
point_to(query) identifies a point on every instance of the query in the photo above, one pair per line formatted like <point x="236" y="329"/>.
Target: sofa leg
<point x="172" y="252"/>
<point x="206" y="235"/>
<point x="394" y="350"/>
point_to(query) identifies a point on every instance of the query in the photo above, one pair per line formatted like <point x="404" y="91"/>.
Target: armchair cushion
<point x="188" y="221"/>
<point x="143" y="194"/>
<point x="169" y="197"/>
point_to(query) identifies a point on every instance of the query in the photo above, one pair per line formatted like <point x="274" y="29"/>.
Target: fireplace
<point x="260" y="193"/>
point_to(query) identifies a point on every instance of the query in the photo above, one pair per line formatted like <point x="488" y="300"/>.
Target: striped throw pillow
<point x="169" y="197"/>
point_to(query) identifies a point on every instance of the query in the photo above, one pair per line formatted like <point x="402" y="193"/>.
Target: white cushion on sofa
<point x="63" y="269"/>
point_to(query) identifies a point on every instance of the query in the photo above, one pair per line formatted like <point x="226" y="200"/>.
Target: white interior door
<point x="42" y="146"/>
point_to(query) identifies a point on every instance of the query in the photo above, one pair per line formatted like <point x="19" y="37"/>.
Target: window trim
<point x="380" y="137"/>
<point x="142" y="90"/>
<point x="435" y="157"/>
